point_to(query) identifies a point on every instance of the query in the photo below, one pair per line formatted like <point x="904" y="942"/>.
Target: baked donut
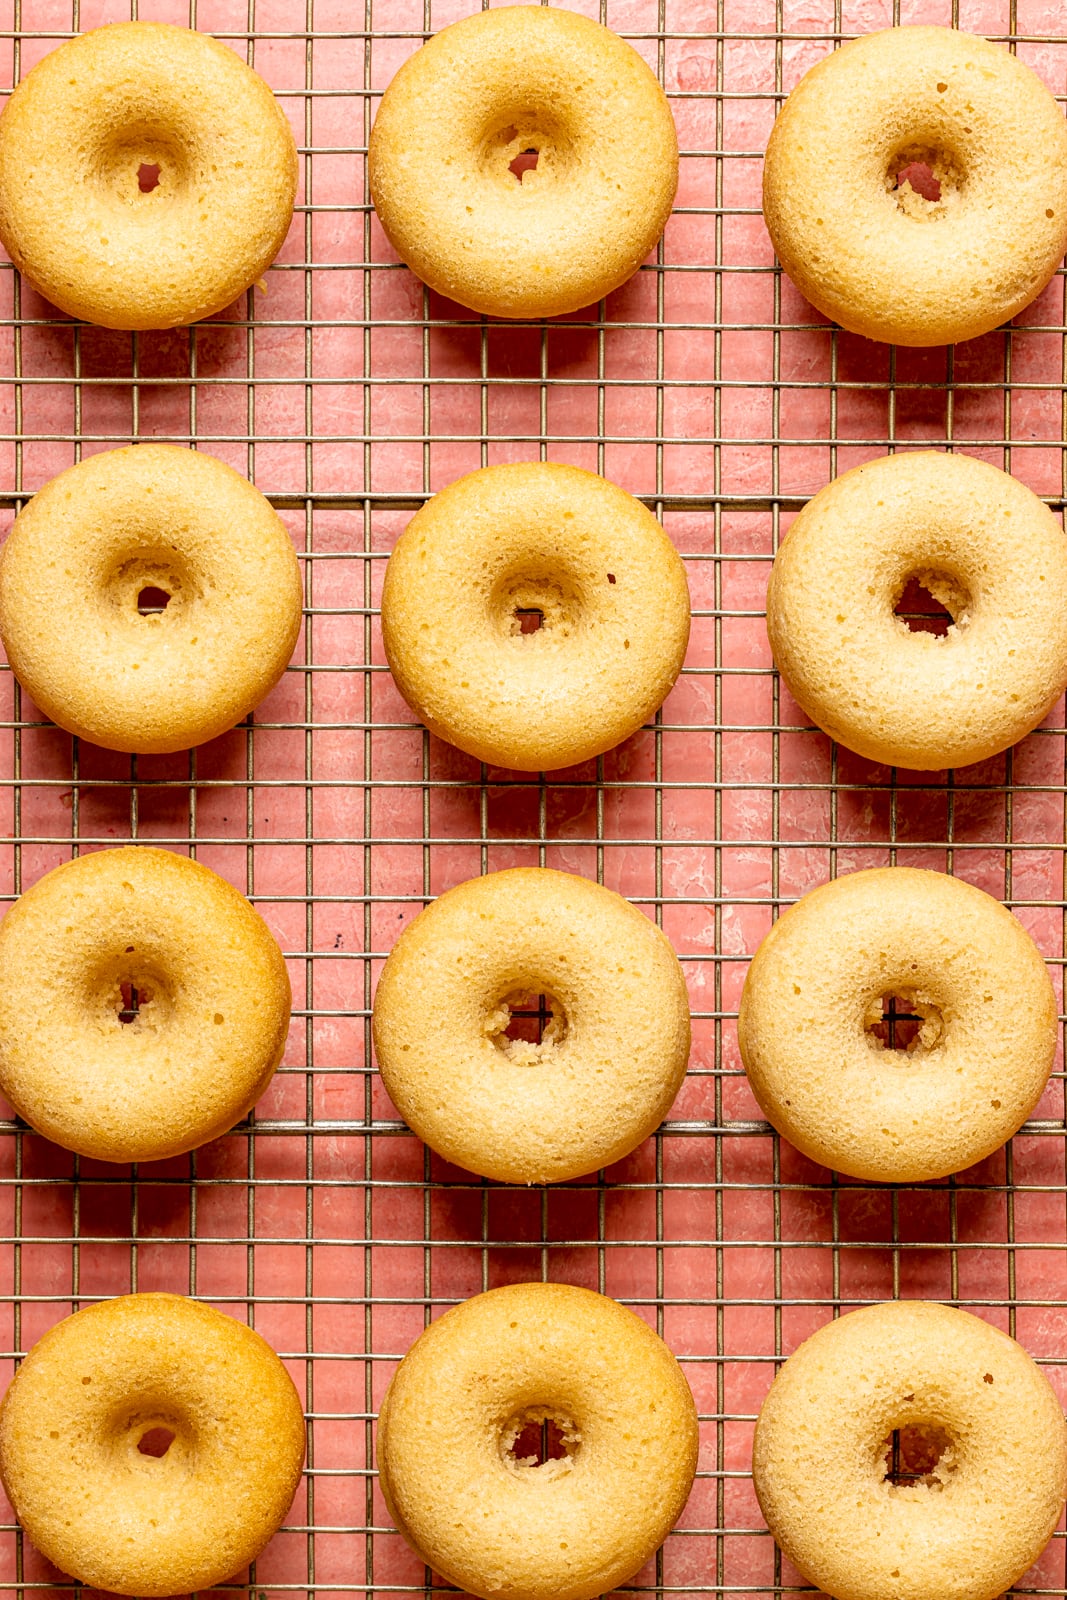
<point x="812" y="1013"/>
<point x="910" y="1451"/>
<point x="446" y="176"/>
<point x="458" y="1431"/>
<point x="147" y="527"/>
<point x="167" y="1005"/>
<point x="875" y="251"/>
<point x="147" y="176"/>
<point x="985" y="547"/>
<point x="151" y="1445"/>
<point x="566" y="549"/>
<point x="610" y="1060"/>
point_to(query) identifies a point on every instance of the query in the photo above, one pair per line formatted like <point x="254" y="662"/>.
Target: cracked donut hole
<point x="527" y="1026"/>
<point x="156" y="1442"/>
<point x="152" y="601"/>
<point x="147" y="177"/>
<point x="529" y="618"/>
<point x="539" y="1439"/>
<point x="932" y="602"/>
<point x="525" y="161"/>
<point x="901" y="1021"/>
<point x="919" y="1456"/>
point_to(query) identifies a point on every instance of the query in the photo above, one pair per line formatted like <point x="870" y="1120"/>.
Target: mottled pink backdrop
<point x="708" y="386"/>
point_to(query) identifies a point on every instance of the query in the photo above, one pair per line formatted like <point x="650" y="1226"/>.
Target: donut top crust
<point x="985" y="546"/>
<point x="87" y="544"/>
<point x="961" y="961"/>
<point x="211" y="1029"/>
<point x="73" y="137"/>
<point x="881" y="261"/>
<point x="819" y="1456"/>
<point x="481" y="92"/>
<point x="612" y="1058"/>
<point x="589" y="1521"/>
<point x="609" y="583"/>
<point x="133" y="1523"/>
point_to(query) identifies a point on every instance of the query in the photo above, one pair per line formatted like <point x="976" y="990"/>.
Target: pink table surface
<point x="348" y="393"/>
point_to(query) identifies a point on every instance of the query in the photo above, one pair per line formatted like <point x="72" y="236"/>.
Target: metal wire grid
<point x="348" y="395"/>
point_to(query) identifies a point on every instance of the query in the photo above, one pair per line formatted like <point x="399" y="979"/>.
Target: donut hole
<point x="132" y="999"/>
<point x="130" y="994"/>
<point x="156" y="1441"/>
<point x="900" y="1020"/>
<point x="148" y="585"/>
<point x="525" y="161"/>
<point x="920" y="612"/>
<point x="535" y="606"/>
<point x="152" y="600"/>
<point x="527" y="1026"/>
<point x="541" y="1440"/>
<point x="138" y="165"/>
<point x="924" y="182"/>
<point x="155" y="1431"/>
<point x="921" y="179"/>
<point x="932" y="602"/>
<point x="919" y="1456"/>
<point x="519" y="153"/>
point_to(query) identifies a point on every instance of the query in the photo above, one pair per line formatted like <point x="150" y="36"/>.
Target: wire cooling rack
<point x="348" y="393"/>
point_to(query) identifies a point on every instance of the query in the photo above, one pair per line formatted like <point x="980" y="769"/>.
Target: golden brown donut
<point x="465" y="1401"/>
<point x="211" y="1017"/>
<point x="986" y="548"/>
<point x="950" y="954"/>
<point x="491" y="88"/>
<point x="978" y="1425"/>
<point x="86" y="1460"/>
<point x="612" y="1056"/>
<point x="589" y="560"/>
<point x="124" y="524"/>
<point x="147" y="176"/>
<point x="872" y="252"/>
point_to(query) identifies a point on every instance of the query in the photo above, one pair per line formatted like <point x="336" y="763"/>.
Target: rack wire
<point x="348" y="393"/>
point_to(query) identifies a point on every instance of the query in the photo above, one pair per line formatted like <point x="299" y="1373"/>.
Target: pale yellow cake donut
<point x="147" y="176"/>
<point x="873" y="253"/>
<point x="491" y="88"/>
<point x="985" y="547"/>
<point x="151" y="1445"/>
<point x="155" y="521"/>
<point x="981" y="1453"/>
<point x="950" y="955"/>
<point x="137" y="1082"/>
<point x="588" y="559"/>
<point x="470" y="1395"/>
<point x="611" y="1058"/>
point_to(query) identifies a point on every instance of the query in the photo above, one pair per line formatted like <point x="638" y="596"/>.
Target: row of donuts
<point x="534" y="614"/>
<point x="191" y="1432"/>
<point x="539" y="1441"/>
<point x="170" y="1007"/>
<point x="524" y="162"/>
